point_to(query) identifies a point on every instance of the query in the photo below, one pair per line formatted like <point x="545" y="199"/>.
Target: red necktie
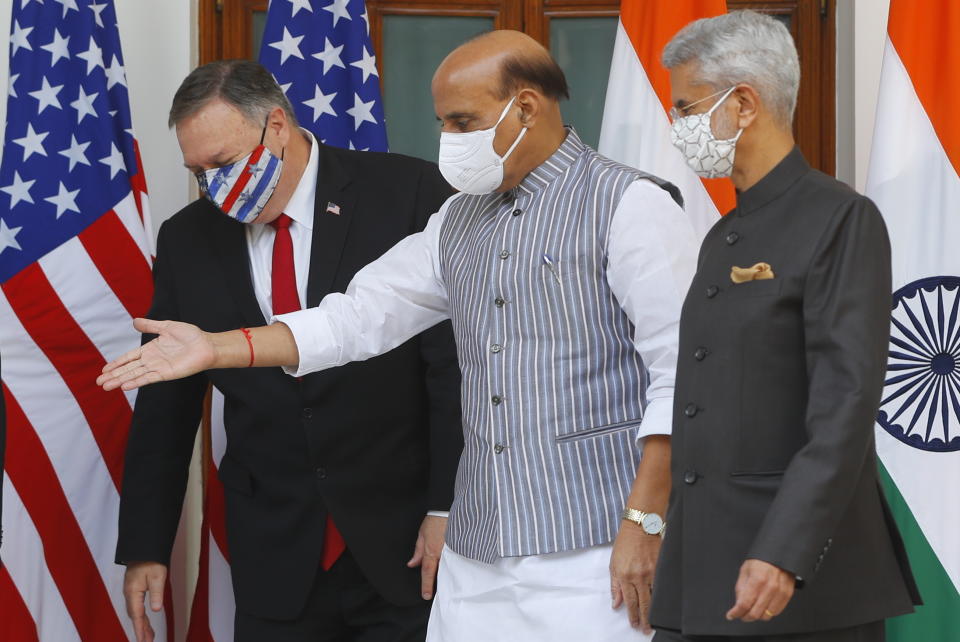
<point x="286" y="299"/>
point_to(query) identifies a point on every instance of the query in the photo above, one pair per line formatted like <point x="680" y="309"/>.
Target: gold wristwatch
<point x="651" y="523"/>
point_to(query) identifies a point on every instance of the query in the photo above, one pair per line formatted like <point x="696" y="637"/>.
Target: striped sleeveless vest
<point x="553" y="388"/>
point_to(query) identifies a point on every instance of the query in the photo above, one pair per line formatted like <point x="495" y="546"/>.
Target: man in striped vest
<point x="563" y="273"/>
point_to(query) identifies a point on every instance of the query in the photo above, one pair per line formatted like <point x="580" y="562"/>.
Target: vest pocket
<point x="599" y="431"/>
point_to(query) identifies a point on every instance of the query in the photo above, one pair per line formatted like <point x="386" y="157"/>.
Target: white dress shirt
<point x="652" y="255"/>
<point x="260" y="237"/>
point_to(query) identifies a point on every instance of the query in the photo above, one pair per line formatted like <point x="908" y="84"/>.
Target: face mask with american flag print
<point x="241" y="189"/>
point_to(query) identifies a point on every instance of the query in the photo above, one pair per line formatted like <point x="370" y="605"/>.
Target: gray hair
<point x="742" y="47"/>
<point x="244" y="84"/>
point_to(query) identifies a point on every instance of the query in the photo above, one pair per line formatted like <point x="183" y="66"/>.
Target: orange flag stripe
<point x="650" y="26"/>
<point x="926" y="36"/>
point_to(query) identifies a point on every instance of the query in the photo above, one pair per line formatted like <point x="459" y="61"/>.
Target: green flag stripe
<point x="938" y="620"/>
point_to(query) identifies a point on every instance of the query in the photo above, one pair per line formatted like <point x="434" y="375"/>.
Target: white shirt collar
<point x="302" y="202"/>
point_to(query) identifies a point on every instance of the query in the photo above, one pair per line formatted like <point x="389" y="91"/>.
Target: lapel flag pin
<point x="333" y="208"/>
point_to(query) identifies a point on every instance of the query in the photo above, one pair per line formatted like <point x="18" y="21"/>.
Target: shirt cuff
<point x="316" y="346"/>
<point x="438" y="513"/>
<point x="657" y="419"/>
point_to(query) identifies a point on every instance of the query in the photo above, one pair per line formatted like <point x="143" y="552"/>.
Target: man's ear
<point x="279" y="125"/>
<point x="748" y="101"/>
<point x="530" y="103"/>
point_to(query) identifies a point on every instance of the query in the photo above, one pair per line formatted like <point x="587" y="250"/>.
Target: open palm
<point x="180" y="350"/>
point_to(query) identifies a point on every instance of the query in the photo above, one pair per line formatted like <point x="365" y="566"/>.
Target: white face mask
<point x="468" y="160"/>
<point x="708" y="156"/>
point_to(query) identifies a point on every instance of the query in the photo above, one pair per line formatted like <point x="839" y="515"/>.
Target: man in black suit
<point x="361" y="452"/>
<point x="777" y="527"/>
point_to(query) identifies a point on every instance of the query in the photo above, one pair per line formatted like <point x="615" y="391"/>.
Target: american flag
<point x="321" y="54"/>
<point x="74" y="269"/>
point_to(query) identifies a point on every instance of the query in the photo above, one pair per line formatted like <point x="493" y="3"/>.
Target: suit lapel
<point x="229" y="240"/>
<point x="334" y="187"/>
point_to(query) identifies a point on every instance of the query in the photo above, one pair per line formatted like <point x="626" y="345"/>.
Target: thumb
<point x="417" y="553"/>
<point x="148" y="326"/>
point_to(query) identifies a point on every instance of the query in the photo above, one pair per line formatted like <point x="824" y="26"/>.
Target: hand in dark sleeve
<point x="846" y="308"/>
<point x="160" y="444"/>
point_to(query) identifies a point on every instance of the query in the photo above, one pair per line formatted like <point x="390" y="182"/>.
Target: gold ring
<point x="767" y="613"/>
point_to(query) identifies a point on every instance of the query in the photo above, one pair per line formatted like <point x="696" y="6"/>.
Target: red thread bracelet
<point x="246" y="333"/>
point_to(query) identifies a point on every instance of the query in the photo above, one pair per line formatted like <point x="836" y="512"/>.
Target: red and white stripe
<point x="212" y="615"/>
<point x="61" y="319"/>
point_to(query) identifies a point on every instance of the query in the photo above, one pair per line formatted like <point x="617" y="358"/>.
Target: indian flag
<point x="914" y="178"/>
<point x="636" y="129"/>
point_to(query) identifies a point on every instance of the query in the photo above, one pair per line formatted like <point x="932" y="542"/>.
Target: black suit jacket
<point x="778" y="385"/>
<point x="376" y="443"/>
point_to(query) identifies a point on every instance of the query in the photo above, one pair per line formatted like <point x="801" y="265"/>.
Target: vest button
<point x="307" y="413"/>
<point x="691" y="410"/>
<point x="496" y="400"/>
<point x="732" y="238"/>
<point x="496" y="348"/>
<point x="499" y="302"/>
<point x="701" y="354"/>
<point x="505" y="255"/>
<point x="497" y="449"/>
<point x="690" y="477"/>
<point x="517" y="212"/>
<point x="321" y="472"/>
<point x="712" y="291"/>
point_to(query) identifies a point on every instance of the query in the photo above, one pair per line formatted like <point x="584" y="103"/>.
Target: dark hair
<point x="539" y="72"/>
<point x="245" y="84"/>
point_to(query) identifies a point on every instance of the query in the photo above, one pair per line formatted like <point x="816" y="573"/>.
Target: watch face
<point x="652" y="523"/>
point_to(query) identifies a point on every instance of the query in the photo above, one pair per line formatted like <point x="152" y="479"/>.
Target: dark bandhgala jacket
<point x="778" y="385"/>
<point x="375" y="444"/>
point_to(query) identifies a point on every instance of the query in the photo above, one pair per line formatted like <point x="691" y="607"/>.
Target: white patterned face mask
<point x="706" y="155"/>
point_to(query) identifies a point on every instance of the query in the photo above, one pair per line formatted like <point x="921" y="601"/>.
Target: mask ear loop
<point x="523" y="132"/>
<point x="263" y="134"/>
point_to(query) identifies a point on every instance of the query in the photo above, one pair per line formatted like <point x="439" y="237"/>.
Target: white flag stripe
<point x="630" y="115"/>
<point x="24" y="559"/>
<point x="910" y="174"/>
<point x="917" y="189"/>
<point x="222" y="606"/>
<point x="126" y="210"/>
<point x="77" y="281"/>
<point x="73" y="452"/>
<point x="218" y="435"/>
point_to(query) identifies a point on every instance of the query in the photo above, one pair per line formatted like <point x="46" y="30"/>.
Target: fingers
<point x="428" y="575"/>
<point x="632" y="600"/>
<point x="143" y="630"/>
<point x="417" y="553"/>
<point x="148" y="326"/>
<point x="616" y="593"/>
<point x="134" y="592"/>
<point x="120" y="362"/>
<point x="155" y="584"/>
<point x="746" y="592"/>
<point x="645" y="594"/>
<point x="762" y="591"/>
<point x="781" y="598"/>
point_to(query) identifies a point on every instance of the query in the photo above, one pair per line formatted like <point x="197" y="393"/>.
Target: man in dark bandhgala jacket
<point x="777" y="527"/>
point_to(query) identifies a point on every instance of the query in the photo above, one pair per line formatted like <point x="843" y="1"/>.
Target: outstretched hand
<point x="180" y="350"/>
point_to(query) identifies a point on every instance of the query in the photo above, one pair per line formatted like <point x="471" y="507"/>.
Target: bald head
<point x="502" y="63"/>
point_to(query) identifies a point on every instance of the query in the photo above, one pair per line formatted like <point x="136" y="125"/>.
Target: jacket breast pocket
<point x="235" y="476"/>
